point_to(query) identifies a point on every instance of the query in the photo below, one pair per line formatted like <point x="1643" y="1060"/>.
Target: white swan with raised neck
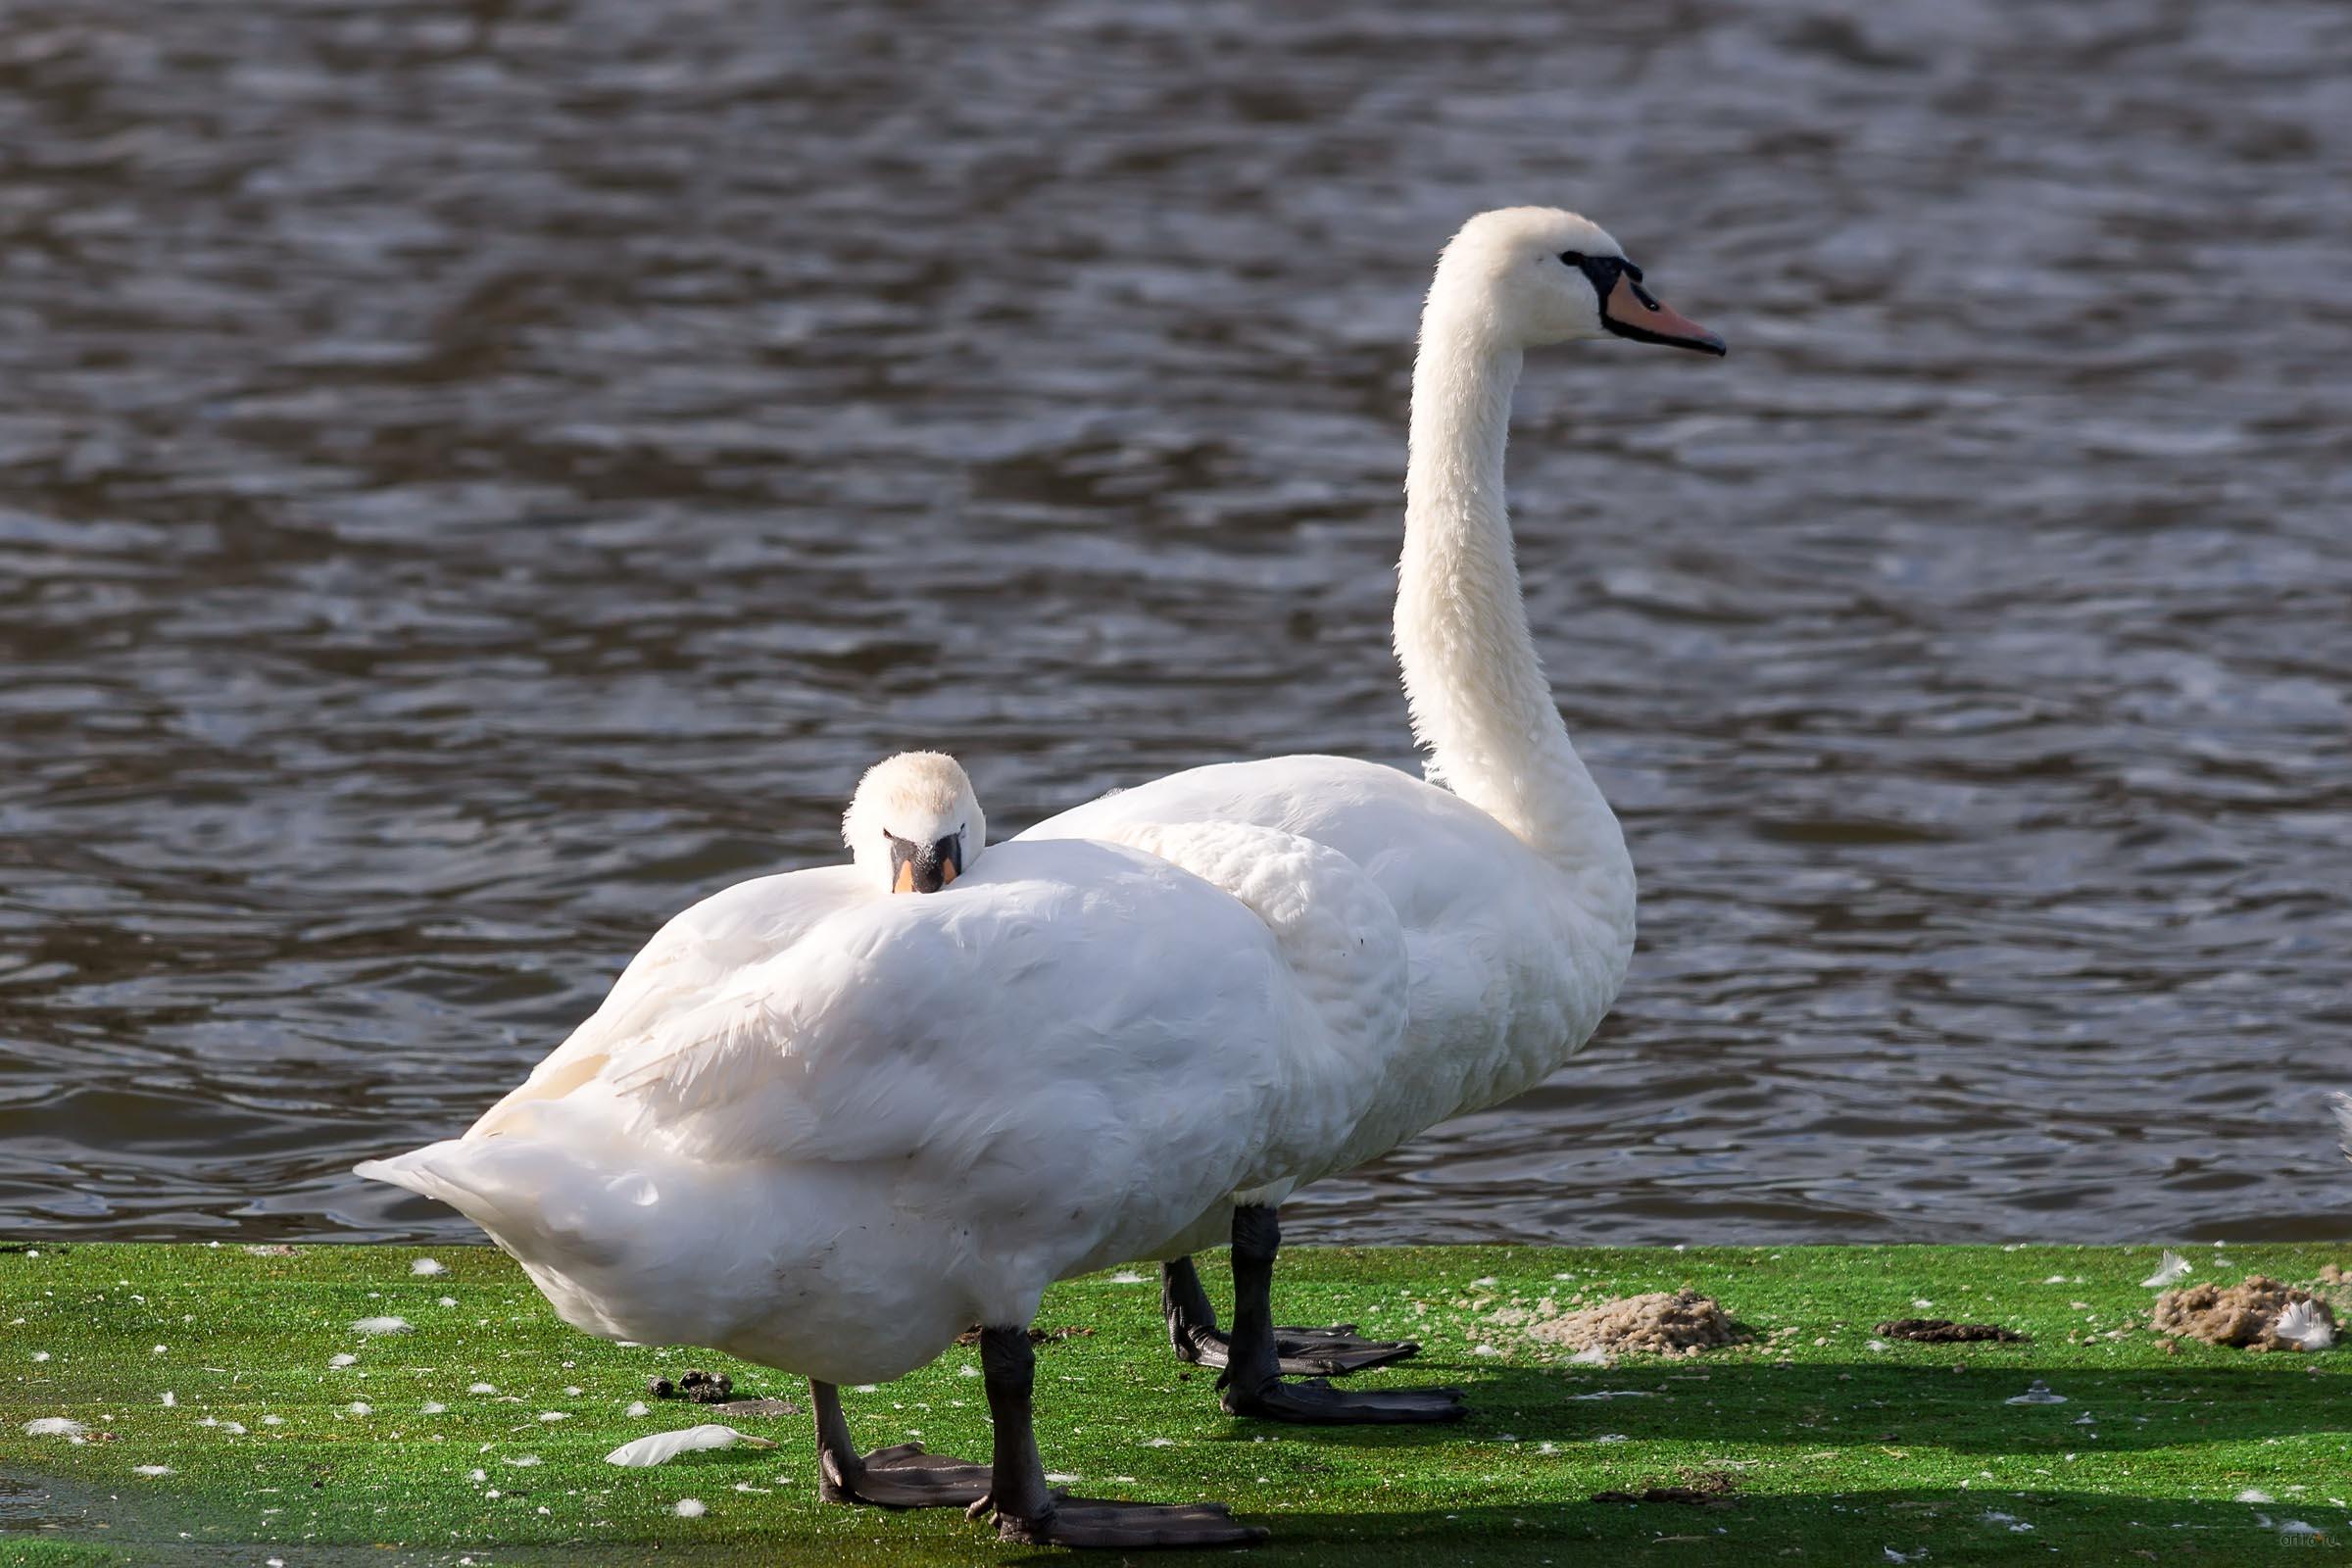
<point x="1505" y="867"/>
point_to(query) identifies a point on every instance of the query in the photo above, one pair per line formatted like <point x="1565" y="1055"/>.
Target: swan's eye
<point x="1573" y="258"/>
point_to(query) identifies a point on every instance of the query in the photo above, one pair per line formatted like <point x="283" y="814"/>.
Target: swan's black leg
<point x="1192" y="1330"/>
<point x="1028" y="1511"/>
<point x="899" y="1477"/>
<point x="1253" y="1383"/>
<point x="1300" y="1352"/>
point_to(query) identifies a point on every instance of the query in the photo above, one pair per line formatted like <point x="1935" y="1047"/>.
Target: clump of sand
<point x="2244" y="1315"/>
<point x="1682" y="1323"/>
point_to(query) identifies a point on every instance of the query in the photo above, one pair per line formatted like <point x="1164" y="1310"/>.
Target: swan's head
<point x="1531" y="275"/>
<point x="915" y="822"/>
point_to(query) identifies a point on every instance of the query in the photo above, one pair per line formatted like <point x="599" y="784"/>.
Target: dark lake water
<point x="476" y="478"/>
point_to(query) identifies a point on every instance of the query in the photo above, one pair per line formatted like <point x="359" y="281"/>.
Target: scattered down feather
<point x="2303" y="1325"/>
<point x="663" y="1447"/>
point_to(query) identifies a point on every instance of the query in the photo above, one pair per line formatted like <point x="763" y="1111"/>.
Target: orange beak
<point x="1630" y="310"/>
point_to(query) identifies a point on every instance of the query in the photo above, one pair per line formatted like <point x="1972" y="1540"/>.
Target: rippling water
<point x="473" y="479"/>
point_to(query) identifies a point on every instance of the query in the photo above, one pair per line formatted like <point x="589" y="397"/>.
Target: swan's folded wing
<point x="1052" y="992"/>
<point x="1348" y="961"/>
<point x="1334" y="925"/>
<point x="696" y="955"/>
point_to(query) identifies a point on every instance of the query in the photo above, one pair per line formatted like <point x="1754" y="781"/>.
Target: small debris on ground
<point x="702" y="1388"/>
<point x="2247" y="1314"/>
<point x="1943" y="1331"/>
<point x="1682" y="1323"/>
<point x="1711" y="1488"/>
<point x="1037" y="1336"/>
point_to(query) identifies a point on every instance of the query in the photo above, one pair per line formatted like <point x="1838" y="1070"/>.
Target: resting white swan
<point x="826" y="1128"/>
<point x="1507" y="872"/>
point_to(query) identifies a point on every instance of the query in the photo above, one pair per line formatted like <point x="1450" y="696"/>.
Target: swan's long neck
<point x="1479" y="699"/>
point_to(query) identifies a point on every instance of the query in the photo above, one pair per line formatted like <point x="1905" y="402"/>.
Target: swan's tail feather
<point x="629" y="1243"/>
<point x="530" y="1209"/>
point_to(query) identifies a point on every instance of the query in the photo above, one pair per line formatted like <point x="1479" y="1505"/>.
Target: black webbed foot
<point x="1331" y="1352"/>
<point x="1253" y="1383"/>
<point x="903" y="1476"/>
<point x="1300" y="1352"/>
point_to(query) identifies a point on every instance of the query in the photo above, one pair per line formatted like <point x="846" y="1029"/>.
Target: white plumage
<point x="2305" y="1326"/>
<point x="827" y="1129"/>
<point x="659" y="1447"/>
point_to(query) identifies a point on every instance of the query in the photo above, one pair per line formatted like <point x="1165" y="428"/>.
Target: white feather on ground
<point x="663" y="1447"/>
<point x="381" y="1325"/>
<point x="2171" y="1269"/>
<point x="54" y="1425"/>
<point x="2302" y="1324"/>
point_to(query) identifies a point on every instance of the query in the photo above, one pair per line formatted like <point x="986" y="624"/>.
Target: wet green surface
<point x="1839" y="1453"/>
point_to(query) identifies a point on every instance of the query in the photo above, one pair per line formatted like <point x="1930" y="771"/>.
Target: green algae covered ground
<point x="236" y="1416"/>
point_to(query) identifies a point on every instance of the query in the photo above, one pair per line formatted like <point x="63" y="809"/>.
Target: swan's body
<point x="1507" y="873"/>
<point x="828" y="1128"/>
<point x="1509" y="965"/>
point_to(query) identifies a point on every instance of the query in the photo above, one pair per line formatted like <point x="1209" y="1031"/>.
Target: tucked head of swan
<point x="1527" y="275"/>
<point x="915" y="822"/>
